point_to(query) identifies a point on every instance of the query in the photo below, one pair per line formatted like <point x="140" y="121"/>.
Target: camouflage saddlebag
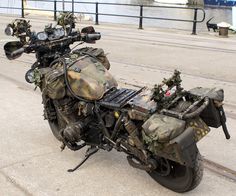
<point x="211" y="115"/>
<point x="161" y="128"/>
<point x="172" y="138"/>
<point x="95" y="52"/>
<point x="53" y="82"/>
<point x="168" y="137"/>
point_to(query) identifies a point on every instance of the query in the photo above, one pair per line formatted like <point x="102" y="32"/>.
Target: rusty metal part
<point x="131" y="141"/>
<point x="101" y="122"/>
<point x="133" y="132"/>
<point x="134" y="151"/>
<point x="137" y="115"/>
<point x="117" y="126"/>
<point x="136" y="164"/>
<point x="143" y="103"/>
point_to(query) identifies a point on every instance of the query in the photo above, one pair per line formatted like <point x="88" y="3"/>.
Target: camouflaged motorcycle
<point x="157" y="128"/>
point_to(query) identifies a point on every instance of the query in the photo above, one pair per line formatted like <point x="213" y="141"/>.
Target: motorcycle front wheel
<point x="56" y="125"/>
<point x="181" y="178"/>
<point x="55" y="128"/>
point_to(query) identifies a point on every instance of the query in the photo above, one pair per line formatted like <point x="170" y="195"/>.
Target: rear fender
<point x="185" y="147"/>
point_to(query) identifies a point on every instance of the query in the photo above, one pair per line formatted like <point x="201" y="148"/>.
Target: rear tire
<point x="181" y="178"/>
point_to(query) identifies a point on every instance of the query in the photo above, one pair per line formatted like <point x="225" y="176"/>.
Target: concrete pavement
<point x="30" y="159"/>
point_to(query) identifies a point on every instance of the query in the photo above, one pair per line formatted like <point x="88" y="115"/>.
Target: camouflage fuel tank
<point x="88" y="78"/>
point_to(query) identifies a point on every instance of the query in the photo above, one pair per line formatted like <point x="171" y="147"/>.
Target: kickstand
<point x="90" y="151"/>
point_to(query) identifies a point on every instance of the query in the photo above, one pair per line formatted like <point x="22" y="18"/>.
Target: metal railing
<point x="141" y="17"/>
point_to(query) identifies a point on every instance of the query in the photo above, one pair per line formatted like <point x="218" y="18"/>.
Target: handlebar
<point x="89" y="38"/>
<point x="93" y="37"/>
<point x="17" y="52"/>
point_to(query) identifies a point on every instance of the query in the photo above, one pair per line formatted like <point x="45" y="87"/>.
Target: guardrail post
<point x="63" y="5"/>
<point x="73" y="6"/>
<point x="96" y="20"/>
<point x="141" y="17"/>
<point x="22" y="9"/>
<point x="195" y="22"/>
<point x="55" y="10"/>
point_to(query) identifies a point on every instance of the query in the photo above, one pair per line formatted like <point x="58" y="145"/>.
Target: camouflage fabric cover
<point x="19" y="28"/>
<point x="54" y="85"/>
<point x="89" y="79"/>
<point x="162" y="128"/>
<point x="66" y="18"/>
<point x="159" y="132"/>
<point x="199" y="126"/>
<point x="212" y="93"/>
<point x="95" y="52"/>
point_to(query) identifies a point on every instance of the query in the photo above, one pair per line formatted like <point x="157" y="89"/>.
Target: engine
<point x="72" y="117"/>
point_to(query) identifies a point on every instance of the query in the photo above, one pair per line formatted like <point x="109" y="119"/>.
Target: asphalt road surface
<point x="30" y="159"/>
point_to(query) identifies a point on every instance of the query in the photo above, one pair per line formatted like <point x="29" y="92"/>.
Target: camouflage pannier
<point x="53" y="82"/>
<point x="162" y="128"/>
<point x="160" y="133"/>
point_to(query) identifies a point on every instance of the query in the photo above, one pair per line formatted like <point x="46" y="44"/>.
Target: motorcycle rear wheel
<point x="181" y="178"/>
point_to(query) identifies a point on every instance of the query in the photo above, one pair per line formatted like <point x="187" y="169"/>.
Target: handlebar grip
<point x="17" y="52"/>
<point x="92" y="37"/>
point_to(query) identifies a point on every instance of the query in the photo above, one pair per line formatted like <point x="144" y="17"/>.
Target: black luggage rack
<point x="117" y="98"/>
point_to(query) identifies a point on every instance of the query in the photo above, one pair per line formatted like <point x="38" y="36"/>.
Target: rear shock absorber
<point x="133" y="132"/>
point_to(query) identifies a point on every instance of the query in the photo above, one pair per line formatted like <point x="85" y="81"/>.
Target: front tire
<point x="181" y="178"/>
<point x="55" y="128"/>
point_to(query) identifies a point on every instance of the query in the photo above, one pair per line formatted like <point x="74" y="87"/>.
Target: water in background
<point x="218" y="14"/>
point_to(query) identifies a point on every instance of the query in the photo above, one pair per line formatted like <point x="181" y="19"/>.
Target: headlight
<point x="9" y="31"/>
<point x="29" y="76"/>
<point x="42" y="36"/>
